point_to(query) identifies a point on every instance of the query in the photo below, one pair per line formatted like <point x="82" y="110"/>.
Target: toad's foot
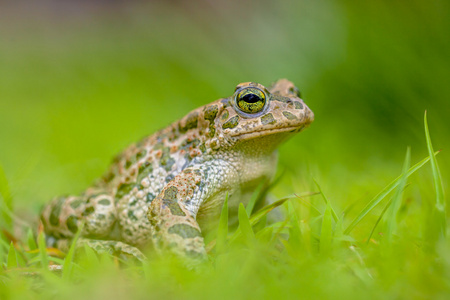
<point x="116" y="248"/>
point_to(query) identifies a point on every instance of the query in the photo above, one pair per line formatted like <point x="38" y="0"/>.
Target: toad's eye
<point x="250" y="100"/>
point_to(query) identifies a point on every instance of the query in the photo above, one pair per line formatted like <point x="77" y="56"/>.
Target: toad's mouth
<point x="269" y="131"/>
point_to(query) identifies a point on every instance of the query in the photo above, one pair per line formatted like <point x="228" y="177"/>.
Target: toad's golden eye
<point x="250" y="100"/>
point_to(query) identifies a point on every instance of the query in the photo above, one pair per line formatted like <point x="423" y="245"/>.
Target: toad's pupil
<point x="251" y="98"/>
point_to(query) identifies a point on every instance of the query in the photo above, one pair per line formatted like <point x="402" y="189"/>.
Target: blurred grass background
<point x="81" y="80"/>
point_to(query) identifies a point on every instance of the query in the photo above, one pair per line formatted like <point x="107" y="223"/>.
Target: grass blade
<point x="6" y="205"/>
<point x="439" y="190"/>
<point x="222" y="231"/>
<point x="244" y="224"/>
<point x="68" y="260"/>
<point x="254" y="198"/>
<point x="30" y="240"/>
<point x="42" y="250"/>
<point x="378" y="220"/>
<point x="295" y="234"/>
<point x="381" y="195"/>
<point x="326" y="232"/>
<point x="335" y="217"/>
<point x="264" y="211"/>
<point x="12" y="257"/>
<point x="257" y="217"/>
<point x="2" y="254"/>
<point x="391" y="223"/>
<point x="91" y="259"/>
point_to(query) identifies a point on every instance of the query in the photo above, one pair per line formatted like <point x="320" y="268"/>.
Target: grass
<point x="353" y="216"/>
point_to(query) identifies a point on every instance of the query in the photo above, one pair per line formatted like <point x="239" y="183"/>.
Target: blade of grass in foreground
<point x="264" y="211"/>
<point x="378" y="220"/>
<point x="91" y="257"/>
<point x="244" y="224"/>
<point x="258" y="216"/>
<point x="439" y="190"/>
<point x="6" y="204"/>
<point x="42" y="250"/>
<point x="391" y="222"/>
<point x="68" y="260"/>
<point x="326" y="232"/>
<point x="295" y="234"/>
<point x="12" y="257"/>
<point x="2" y="254"/>
<point x="335" y="217"/>
<point x="222" y="231"/>
<point x="254" y="198"/>
<point x="381" y="195"/>
<point x="30" y="240"/>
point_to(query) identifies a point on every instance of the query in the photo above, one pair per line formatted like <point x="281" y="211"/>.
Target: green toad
<point x="167" y="188"/>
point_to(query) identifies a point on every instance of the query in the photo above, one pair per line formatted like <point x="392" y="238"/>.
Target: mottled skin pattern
<point x="168" y="187"/>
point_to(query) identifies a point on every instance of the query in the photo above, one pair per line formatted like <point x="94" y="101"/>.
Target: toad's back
<point x="159" y="188"/>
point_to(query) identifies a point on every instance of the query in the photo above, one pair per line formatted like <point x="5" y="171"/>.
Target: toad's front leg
<point x="173" y="212"/>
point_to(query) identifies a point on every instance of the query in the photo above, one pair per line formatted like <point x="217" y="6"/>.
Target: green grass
<point x="353" y="216"/>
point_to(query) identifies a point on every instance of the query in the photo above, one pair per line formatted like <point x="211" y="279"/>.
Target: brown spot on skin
<point x="88" y="211"/>
<point x="105" y="202"/>
<point x="289" y="116"/>
<point x="268" y="119"/>
<point x="166" y="160"/>
<point x="71" y="224"/>
<point x="280" y="98"/>
<point x="141" y="154"/>
<point x="191" y="122"/>
<point x="144" y="171"/>
<point x="131" y="215"/>
<point x="170" y="200"/>
<point x="130" y="162"/>
<point x="225" y="115"/>
<point x="124" y="189"/>
<point x="185" y="231"/>
<point x="76" y="203"/>
<point x="210" y="113"/>
<point x="213" y="144"/>
<point x="194" y="153"/>
<point x="56" y="210"/>
<point x="298" y="105"/>
<point x="109" y="177"/>
<point x="231" y="123"/>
